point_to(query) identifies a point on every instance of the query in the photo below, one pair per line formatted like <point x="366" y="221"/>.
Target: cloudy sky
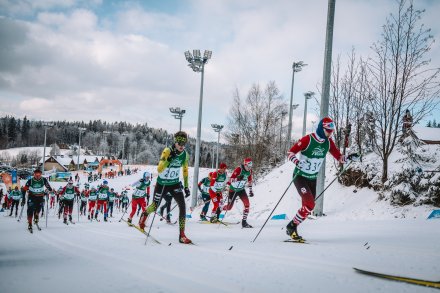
<point x="123" y="60"/>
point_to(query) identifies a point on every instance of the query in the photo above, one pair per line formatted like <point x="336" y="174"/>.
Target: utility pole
<point x="319" y="207"/>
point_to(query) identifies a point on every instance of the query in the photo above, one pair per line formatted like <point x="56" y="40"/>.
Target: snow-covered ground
<point x="358" y="231"/>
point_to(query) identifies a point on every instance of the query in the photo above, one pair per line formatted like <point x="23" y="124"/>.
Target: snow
<point x="427" y="133"/>
<point x="359" y="231"/>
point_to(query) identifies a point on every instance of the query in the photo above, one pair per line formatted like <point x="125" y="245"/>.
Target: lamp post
<point x="46" y="125"/>
<point x="178" y="114"/>
<point x="283" y="113"/>
<point x="296" y="67"/>
<point x="197" y="64"/>
<point x="81" y="129"/>
<point x="307" y="96"/>
<point x="123" y="146"/>
<point x="217" y="128"/>
<point x="326" y="80"/>
<point x="105" y="132"/>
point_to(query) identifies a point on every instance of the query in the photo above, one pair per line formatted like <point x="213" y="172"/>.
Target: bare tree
<point x="401" y="78"/>
<point x="253" y="124"/>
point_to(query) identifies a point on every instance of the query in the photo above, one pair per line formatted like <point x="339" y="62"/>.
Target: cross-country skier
<point x="68" y="193"/>
<point x="35" y="188"/>
<point x="241" y="177"/>
<point x="16" y="195"/>
<point x="124" y="200"/>
<point x="216" y="186"/>
<point x="84" y="197"/>
<point x="172" y="159"/>
<point x="93" y="197"/>
<point x="111" y="201"/>
<point x="103" y="194"/>
<point x="52" y="197"/>
<point x="142" y="191"/>
<point x="313" y="149"/>
<point x="204" y="189"/>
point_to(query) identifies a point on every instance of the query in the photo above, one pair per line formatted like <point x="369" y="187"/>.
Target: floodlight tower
<point x="178" y="114"/>
<point x="197" y="64"/>
<point x="217" y="128"/>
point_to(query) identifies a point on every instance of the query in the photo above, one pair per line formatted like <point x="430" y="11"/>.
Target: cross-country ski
<point x="219" y="146"/>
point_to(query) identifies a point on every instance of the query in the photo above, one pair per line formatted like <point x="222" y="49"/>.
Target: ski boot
<point x="30" y="228"/>
<point x="143" y="219"/>
<point x="65" y="221"/>
<point x="214" y="219"/>
<point x="129" y="221"/>
<point x="203" y="218"/>
<point x="245" y="224"/>
<point x="70" y="219"/>
<point x="88" y="217"/>
<point x="183" y="239"/>
<point x="292" y="232"/>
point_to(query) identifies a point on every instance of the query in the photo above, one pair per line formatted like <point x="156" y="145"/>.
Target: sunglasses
<point x="180" y="141"/>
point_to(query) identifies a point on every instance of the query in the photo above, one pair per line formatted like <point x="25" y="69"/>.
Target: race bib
<point x="311" y="165"/>
<point x="238" y="184"/>
<point x="170" y="173"/>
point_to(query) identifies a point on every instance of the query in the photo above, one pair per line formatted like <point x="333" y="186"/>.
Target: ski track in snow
<point x="111" y="256"/>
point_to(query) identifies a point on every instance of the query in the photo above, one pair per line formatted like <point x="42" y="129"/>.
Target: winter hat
<point x="327" y="124"/>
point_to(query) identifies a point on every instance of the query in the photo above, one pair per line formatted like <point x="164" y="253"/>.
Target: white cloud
<point x="130" y="66"/>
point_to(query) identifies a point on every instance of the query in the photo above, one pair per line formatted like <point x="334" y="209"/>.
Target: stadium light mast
<point x="307" y="96"/>
<point x="217" y="128"/>
<point x="197" y="64"/>
<point x="296" y="67"/>
<point x="178" y="114"/>
<point x="81" y="129"/>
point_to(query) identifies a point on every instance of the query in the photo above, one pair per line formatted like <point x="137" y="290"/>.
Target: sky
<point x="124" y="60"/>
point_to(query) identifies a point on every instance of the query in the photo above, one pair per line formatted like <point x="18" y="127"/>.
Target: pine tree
<point x="12" y="130"/>
<point x="25" y="130"/>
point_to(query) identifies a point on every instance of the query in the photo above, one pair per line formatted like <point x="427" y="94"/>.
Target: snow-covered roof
<point x="427" y="133"/>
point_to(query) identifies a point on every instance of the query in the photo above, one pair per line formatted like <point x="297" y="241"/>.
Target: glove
<point x="251" y="193"/>
<point x="187" y="193"/>
<point x="22" y="203"/>
<point x="353" y="157"/>
<point x="293" y="159"/>
<point x="200" y="189"/>
<point x="172" y="155"/>
<point x="343" y="159"/>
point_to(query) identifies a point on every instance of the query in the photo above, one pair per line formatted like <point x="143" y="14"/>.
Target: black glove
<point x="187" y="193"/>
<point x="353" y="157"/>
<point x="200" y="189"/>
<point x="251" y="193"/>
<point x="173" y="154"/>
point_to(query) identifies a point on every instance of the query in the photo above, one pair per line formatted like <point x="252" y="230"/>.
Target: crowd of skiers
<point x="222" y="190"/>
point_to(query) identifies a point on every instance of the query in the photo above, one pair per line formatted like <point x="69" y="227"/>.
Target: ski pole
<point x="47" y="209"/>
<point x="336" y="177"/>
<point x="21" y="213"/>
<point x="274" y="209"/>
<point x="126" y="209"/>
<point x="227" y="206"/>
<point x="77" y="206"/>
<point x="196" y="207"/>
<point x="154" y="216"/>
